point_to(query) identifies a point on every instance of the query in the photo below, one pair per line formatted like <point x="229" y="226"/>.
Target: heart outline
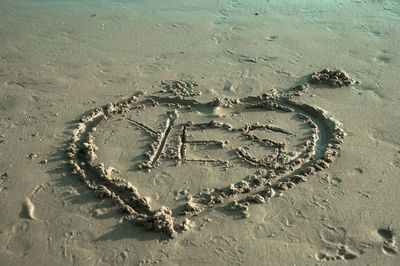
<point x="81" y="155"/>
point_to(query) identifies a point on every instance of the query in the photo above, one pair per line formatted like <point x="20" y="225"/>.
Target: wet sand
<point x="179" y="133"/>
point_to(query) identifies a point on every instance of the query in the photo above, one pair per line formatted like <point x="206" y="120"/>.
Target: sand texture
<point x="199" y="132"/>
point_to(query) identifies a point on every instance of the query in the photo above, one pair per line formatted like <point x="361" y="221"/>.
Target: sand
<point x="175" y="133"/>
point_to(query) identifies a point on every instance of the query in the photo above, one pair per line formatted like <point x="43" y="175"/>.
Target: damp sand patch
<point x="252" y="149"/>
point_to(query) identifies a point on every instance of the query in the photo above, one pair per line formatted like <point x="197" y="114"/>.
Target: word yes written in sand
<point x="177" y="148"/>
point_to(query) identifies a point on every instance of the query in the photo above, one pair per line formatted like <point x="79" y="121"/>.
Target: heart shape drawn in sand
<point x="183" y="142"/>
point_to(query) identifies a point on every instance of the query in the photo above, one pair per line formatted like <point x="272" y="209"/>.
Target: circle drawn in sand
<point x="277" y="169"/>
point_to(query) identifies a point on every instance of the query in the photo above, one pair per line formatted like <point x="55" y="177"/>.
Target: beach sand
<point x="205" y="82"/>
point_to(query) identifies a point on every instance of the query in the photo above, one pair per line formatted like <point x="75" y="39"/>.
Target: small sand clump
<point x="337" y="78"/>
<point x="180" y="88"/>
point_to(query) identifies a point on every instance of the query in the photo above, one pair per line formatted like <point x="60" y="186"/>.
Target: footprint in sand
<point x="389" y="243"/>
<point x="383" y="57"/>
<point x="334" y="240"/>
<point x="342" y="253"/>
